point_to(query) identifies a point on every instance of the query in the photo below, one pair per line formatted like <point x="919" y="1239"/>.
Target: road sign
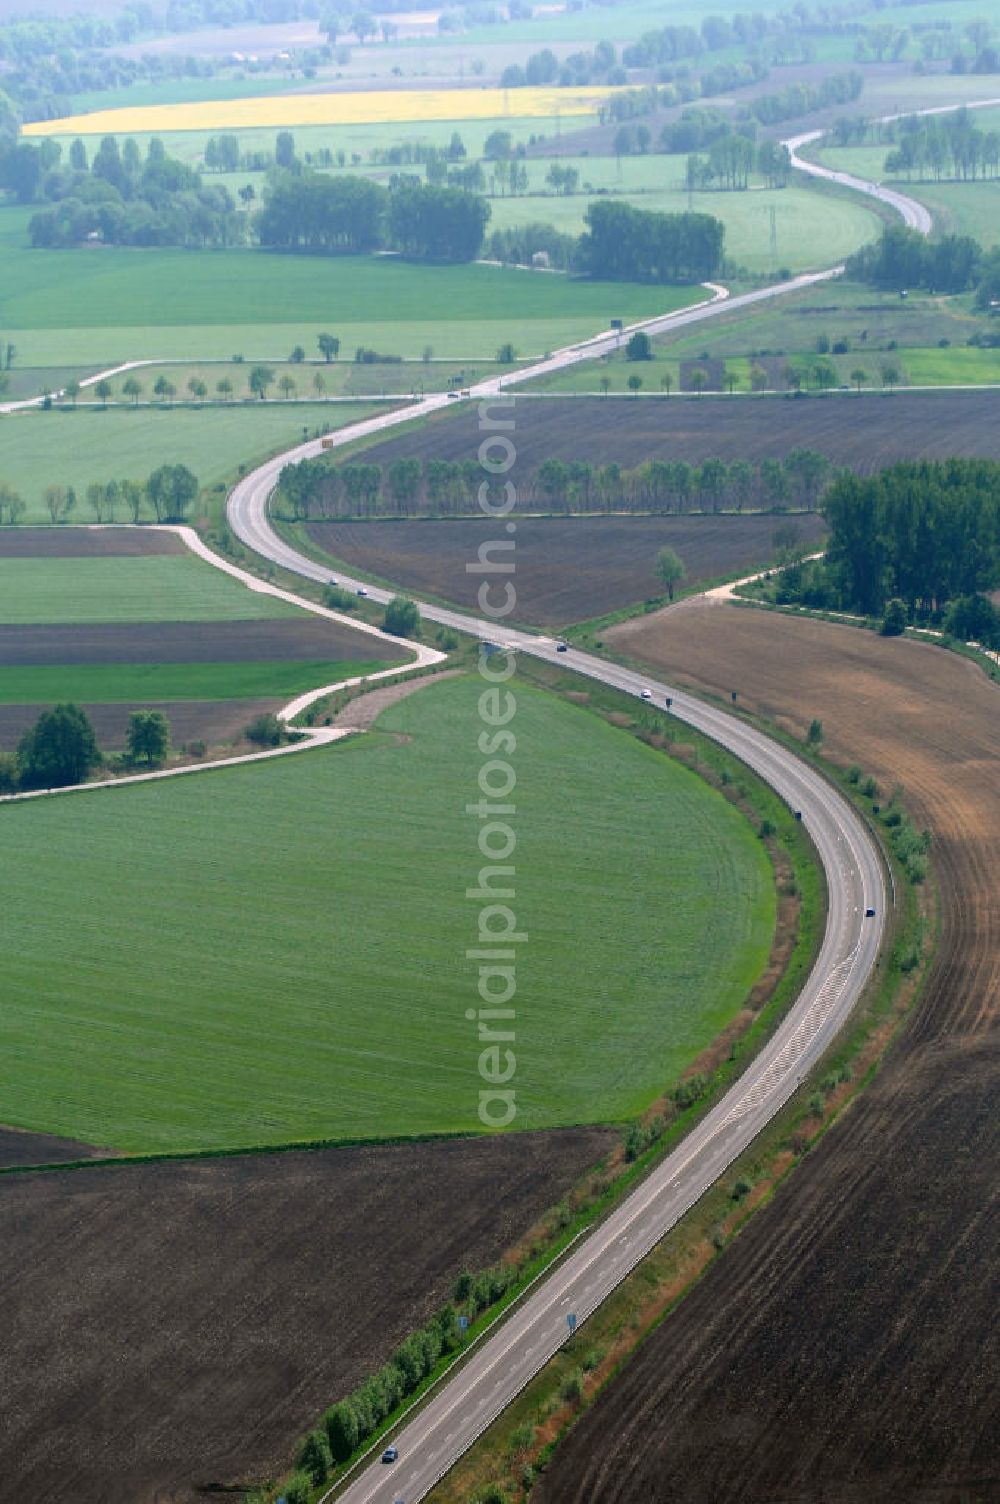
<point x="571" y="1322"/>
<point x="618" y="325"/>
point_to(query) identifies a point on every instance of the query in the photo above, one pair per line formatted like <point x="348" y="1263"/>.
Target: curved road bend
<point x="466" y="1404"/>
<point x="917" y="216"/>
<point x="470" y="1401"/>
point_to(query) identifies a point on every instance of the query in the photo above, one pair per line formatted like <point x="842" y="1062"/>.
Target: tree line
<point x="409" y="487"/>
<point x="167" y="494"/>
<point x="338" y="215"/>
<point x="949" y="146"/>
<point x="636" y="245"/>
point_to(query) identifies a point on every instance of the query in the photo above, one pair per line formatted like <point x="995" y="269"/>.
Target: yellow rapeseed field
<point x="364" y="108"/>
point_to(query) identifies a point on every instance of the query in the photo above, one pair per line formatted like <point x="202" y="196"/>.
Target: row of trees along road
<point x="166" y="495"/>
<point x="410" y="487"/>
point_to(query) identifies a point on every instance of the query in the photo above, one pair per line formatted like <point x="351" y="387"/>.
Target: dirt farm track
<point x="846" y="1347"/>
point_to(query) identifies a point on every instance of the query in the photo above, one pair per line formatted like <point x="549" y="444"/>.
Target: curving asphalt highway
<point x="914" y="214"/>
<point x="467" y="1403"/>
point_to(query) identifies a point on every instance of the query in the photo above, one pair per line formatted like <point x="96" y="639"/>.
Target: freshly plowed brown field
<point x="20" y="1148"/>
<point x="171" y="1326"/>
<point x="863" y="432"/>
<point x="846" y="1347"/>
<point x="85" y="542"/>
<point x="567" y="568"/>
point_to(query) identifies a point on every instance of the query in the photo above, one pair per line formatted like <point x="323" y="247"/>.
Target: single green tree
<point x="171" y="490"/>
<point x="814" y="736"/>
<point x="60" y="749"/>
<point x="894" y="619"/>
<point x="148" y="736"/>
<point x="261" y="377"/>
<point x="859" y="376"/>
<point x="297" y="356"/>
<point x="402" y="617"/>
<point x="329" y="347"/>
<point x="265" y="731"/>
<point x="670" y="570"/>
<point x="132" y="389"/>
<point x="639" y="347"/>
<point x="315" y="1457"/>
<point x="341" y="1423"/>
<point x="635" y="383"/>
<point x="102" y="391"/>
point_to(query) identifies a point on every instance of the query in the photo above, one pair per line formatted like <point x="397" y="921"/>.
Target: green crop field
<point x="39" y="449"/>
<point x="813" y="229"/>
<point x="155" y="587"/>
<point x="279" y="949"/>
<point x="96" y="307"/>
<point x="106" y="684"/>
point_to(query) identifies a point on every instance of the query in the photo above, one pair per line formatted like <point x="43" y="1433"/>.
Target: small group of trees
<point x="61" y="749"/>
<point x="904" y="259"/>
<point x="122" y="197"/>
<point x="636" y="245"/>
<point x="946" y="146"/>
<point x="345" y="215"/>
<point x="917" y="542"/>
<point x="410" y="487"/>
<point x="167" y="493"/>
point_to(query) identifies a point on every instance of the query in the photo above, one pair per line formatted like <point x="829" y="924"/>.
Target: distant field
<point x="39" y="449"/>
<point x="878" y="329"/>
<point x="97" y="307"/>
<point x="813" y="230"/>
<point x="326" y="960"/>
<point x="364" y="107"/>
<point x="568" y="568"/>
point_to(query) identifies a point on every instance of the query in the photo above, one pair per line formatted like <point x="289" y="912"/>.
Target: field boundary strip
<point x="310" y="736"/>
